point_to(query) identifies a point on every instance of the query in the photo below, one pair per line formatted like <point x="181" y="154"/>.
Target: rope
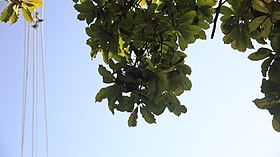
<point x="34" y="103"/>
<point x="35" y="107"/>
<point x="25" y="78"/>
<point x="44" y="80"/>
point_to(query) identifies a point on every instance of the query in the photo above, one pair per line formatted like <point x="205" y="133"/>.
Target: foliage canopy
<point x="142" y="43"/>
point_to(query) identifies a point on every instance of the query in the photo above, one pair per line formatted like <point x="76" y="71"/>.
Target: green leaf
<point x="179" y="109"/>
<point x="266" y="28"/>
<point x="7" y="13"/>
<point x="270" y="88"/>
<point x="85" y="7"/>
<point x="182" y="42"/>
<point x="158" y="108"/>
<point x="203" y="24"/>
<point x="187" y="18"/>
<point x="184" y="68"/>
<point x="186" y="82"/>
<point x="275" y="43"/>
<point x="89" y="32"/>
<point x="193" y="29"/>
<point x="151" y="9"/>
<point x="202" y="35"/>
<point x="126" y="104"/>
<point x="260" y="6"/>
<point x="132" y="120"/>
<point x="111" y="92"/>
<point x="276" y="15"/>
<point x="151" y="89"/>
<point x="266" y="102"/>
<point x="274" y="71"/>
<point x="27" y="15"/>
<point x="209" y="3"/>
<point x="107" y="76"/>
<point x="226" y="10"/>
<point x="276" y="124"/>
<point x="265" y="65"/>
<point x="14" y="18"/>
<point x="262" y="53"/>
<point x="147" y="115"/>
<point x="254" y="24"/>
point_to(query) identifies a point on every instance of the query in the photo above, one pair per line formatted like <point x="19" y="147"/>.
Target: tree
<point x="143" y="41"/>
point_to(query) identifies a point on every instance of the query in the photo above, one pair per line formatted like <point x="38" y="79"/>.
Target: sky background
<point x="222" y="120"/>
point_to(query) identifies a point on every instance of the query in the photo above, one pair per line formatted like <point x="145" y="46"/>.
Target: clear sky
<point x="222" y="120"/>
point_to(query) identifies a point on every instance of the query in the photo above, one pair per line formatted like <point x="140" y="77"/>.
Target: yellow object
<point x="143" y="2"/>
<point x="207" y="2"/>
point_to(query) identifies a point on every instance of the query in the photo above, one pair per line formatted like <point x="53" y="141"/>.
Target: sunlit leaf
<point x="27" y="15"/>
<point x="7" y="13"/>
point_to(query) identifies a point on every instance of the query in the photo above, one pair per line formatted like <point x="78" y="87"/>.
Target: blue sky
<point x="221" y="121"/>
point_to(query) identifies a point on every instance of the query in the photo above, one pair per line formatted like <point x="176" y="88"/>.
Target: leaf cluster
<point x="142" y="43"/>
<point x="259" y="20"/>
<point x="11" y="12"/>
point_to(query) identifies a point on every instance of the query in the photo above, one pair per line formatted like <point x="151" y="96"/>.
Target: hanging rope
<point x="44" y="81"/>
<point x="34" y="140"/>
<point x="34" y="102"/>
<point x="25" y="81"/>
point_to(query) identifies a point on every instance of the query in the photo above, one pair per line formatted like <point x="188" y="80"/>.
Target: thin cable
<point x="25" y="64"/>
<point x="34" y="104"/>
<point x="44" y="80"/>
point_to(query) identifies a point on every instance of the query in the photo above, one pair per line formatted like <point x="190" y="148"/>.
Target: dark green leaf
<point x="187" y="18"/>
<point x="275" y="43"/>
<point x="266" y="102"/>
<point x="84" y="7"/>
<point x="89" y="32"/>
<point x="270" y="88"/>
<point x="254" y="24"/>
<point x="276" y="124"/>
<point x="111" y="92"/>
<point x="132" y="120"/>
<point x="274" y="71"/>
<point x="265" y="65"/>
<point x="179" y="109"/>
<point x="126" y="104"/>
<point x="226" y="10"/>
<point x="147" y="115"/>
<point x="260" y="6"/>
<point x="107" y="76"/>
<point x="276" y="15"/>
<point x="151" y="88"/>
<point x="151" y="9"/>
<point x="157" y="109"/>
<point x="182" y="42"/>
<point x="261" y="54"/>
